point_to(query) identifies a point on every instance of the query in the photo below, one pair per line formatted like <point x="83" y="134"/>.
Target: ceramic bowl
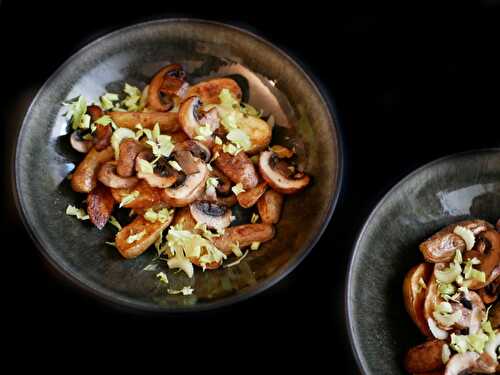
<point x="270" y="80"/>
<point x="445" y="191"/>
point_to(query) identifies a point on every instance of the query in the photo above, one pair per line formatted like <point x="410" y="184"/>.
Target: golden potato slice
<point x="258" y="131"/>
<point x="149" y="233"/>
<point x="148" y="196"/>
<point x="414" y="294"/>
<point x="248" y="198"/>
<point x="269" y="206"/>
<point x="85" y="175"/>
<point x="238" y="168"/>
<point x="425" y="357"/>
<point x="100" y="204"/>
<point x="168" y="121"/>
<point x="209" y="91"/>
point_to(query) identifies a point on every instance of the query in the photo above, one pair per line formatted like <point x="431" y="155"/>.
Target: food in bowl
<point x="180" y="157"/>
<point x="452" y="298"/>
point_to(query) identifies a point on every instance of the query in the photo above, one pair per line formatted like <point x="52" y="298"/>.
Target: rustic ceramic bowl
<point x="440" y="193"/>
<point x="270" y="79"/>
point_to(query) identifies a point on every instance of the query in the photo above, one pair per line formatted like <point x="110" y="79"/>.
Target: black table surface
<point x="410" y="84"/>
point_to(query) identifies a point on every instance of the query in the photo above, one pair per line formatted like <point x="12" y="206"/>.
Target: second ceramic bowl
<point x="440" y="193"/>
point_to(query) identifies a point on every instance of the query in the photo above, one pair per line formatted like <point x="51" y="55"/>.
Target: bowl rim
<point x="358" y="356"/>
<point x="112" y="299"/>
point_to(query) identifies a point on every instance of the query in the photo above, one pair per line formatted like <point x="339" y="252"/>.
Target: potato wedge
<point x="269" y="206"/>
<point x="209" y="91"/>
<point x="85" y="175"/>
<point x="183" y="216"/>
<point x="238" y="168"/>
<point x="425" y="357"/>
<point x="100" y="204"/>
<point x="414" y="294"/>
<point x="243" y="234"/>
<point x="147" y="198"/>
<point x="248" y="198"/>
<point x="151" y="232"/>
<point x="168" y="121"/>
<point x="258" y="131"/>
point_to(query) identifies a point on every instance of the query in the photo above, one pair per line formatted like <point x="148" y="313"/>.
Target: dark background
<point x="410" y="84"/>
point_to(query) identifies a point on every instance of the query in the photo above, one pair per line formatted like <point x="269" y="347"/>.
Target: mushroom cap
<point x="189" y="190"/>
<point x="79" y="144"/>
<point x="214" y="215"/>
<point x="196" y="148"/>
<point x="277" y="180"/>
<point x="155" y="179"/>
<point x="461" y="362"/>
<point x="414" y="295"/>
<point x="108" y="176"/>
<point x="168" y="80"/>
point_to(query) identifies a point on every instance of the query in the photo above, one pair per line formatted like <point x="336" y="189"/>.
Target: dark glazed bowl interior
<point x="268" y="77"/>
<point x="445" y="191"/>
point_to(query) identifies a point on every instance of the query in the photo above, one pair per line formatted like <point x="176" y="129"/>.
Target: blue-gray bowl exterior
<point x="43" y="159"/>
<point x="457" y="187"/>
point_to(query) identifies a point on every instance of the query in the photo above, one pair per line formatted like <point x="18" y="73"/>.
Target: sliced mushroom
<point x="249" y="197"/>
<point x="472" y="311"/>
<point x="209" y="90"/>
<point x="414" y="295"/>
<point x="425" y="357"/>
<point x="189" y="190"/>
<point x="179" y="137"/>
<point x="215" y="216"/>
<point x="163" y="175"/>
<point x="167" y="80"/>
<point x="490" y="258"/>
<point x="223" y="182"/>
<point x="432" y="298"/>
<point x="85" y="175"/>
<point x="192" y="119"/>
<point x="197" y="149"/>
<point x="238" y="168"/>
<point x="129" y="149"/>
<point x="150" y="233"/>
<point x="277" y="177"/>
<point x="188" y="163"/>
<point x="95" y="112"/>
<point x="100" y="204"/>
<point x="244" y="235"/>
<point x="108" y="176"/>
<point x="79" y="144"/>
<point x="462" y="363"/>
<point x="441" y="247"/>
<point x="490" y="292"/>
<point x="269" y="206"/>
<point x="184" y="218"/>
<point x="168" y="121"/>
<point x="148" y="196"/>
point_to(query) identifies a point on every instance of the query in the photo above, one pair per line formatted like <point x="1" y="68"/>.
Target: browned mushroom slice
<point x="79" y="144"/>
<point x="100" y="204"/>
<point x="197" y="149"/>
<point x="209" y="91"/>
<point x="238" y="168"/>
<point x="85" y="176"/>
<point x="279" y="176"/>
<point x="189" y="190"/>
<point x="136" y="237"/>
<point x="494" y="315"/>
<point x="269" y="206"/>
<point x="108" y="176"/>
<point x="163" y="175"/>
<point x="425" y="357"/>
<point x="184" y="218"/>
<point x="249" y="197"/>
<point x="178" y="137"/>
<point x="95" y="112"/>
<point x="102" y="138"/>
<point x="244" y="235"/>
<point x="414" y="292"/>
<point x="441" y="247"/>
<point x="188" y="163"/>
<point x="168" y="121"/>
<point x="167" y="80"/>
<point x="129" y="149"/>
<point x="490" y="259"/>
<point x="192" y="118"/>
<point x="215" y="216"/>
<point x="432" y="298"/>
<point x="472" y="311"/>
<point x="148" y="196"/>
<point x="490" y="292"/>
